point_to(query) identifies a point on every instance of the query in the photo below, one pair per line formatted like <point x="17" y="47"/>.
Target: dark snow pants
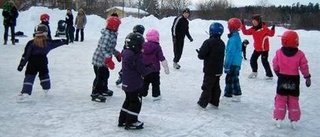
<point x="210" y="91"/>
<point x="177" y="48"/>
<point x="70" y="33"/>
<point x="232" y="82"/>
<point x="264" y="59"/>
<point x="154" y="79"/>
<point x="81" y="35"/>
<point x="6" y="31"/>
<point x="100" y="82"/>
<point x="131" y="108"/>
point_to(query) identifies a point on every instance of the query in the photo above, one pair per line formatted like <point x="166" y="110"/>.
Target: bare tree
<point x="176" y="5"/>
<point x="213" y="9"/>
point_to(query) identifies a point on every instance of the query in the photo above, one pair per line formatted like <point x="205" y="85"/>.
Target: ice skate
<point x="121" y="124"/>
<point x="201" y="107"/>
<point x="293" y="124"/>
<point x="134" y="126"/>
<point x="253" y="75"/>
<point x="236" y="98"/>
<point x="278" y="123"/>
<point x="98" y="98"/>
<point x="23" y="97"/>
<point x="268" y="78"/>
<point x="157" y="98"/>
<point x="176" y="65"/>
<point x="107" y="93"/>
<point x="45" y="91"/>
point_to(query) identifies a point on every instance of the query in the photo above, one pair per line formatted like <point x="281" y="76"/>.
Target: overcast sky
<point x="272" y="2"/>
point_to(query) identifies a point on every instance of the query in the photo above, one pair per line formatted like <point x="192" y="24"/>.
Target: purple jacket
<point x="152" y="55"/>
<point x="133" y="70"/>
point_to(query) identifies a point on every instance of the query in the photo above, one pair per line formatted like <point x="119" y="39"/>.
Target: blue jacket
<point x="133" y="70"/>
<point x="233" y="51"/>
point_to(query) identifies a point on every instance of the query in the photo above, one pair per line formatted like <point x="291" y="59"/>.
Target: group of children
<point x="141" y="63"/>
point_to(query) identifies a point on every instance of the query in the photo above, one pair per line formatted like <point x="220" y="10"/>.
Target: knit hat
<point x="41" y="30"/>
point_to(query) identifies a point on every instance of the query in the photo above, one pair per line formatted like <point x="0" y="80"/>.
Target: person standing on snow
<point x="152" y="56"/>
<point x="102" y="59"/>
<point x="81" y="21"/>
<point x="35" y="54"/>
<point x="69" y="28"/>
<point x="245" y="43"/>
<point x="260" y="33"/>
<point x="233" y="59"/>
<point x="10" y="15"/>
<point x="180" y="29"/>
<point x="287" y="63"/>
<point x="212" y="54"/>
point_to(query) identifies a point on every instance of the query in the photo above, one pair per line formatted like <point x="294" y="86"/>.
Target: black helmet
<point x="134" y="42"/>
<point x="245" y="42"/>
<point x="139" y="29"/>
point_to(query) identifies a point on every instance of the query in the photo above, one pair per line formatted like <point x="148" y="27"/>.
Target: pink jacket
<point x="291" y="65"/>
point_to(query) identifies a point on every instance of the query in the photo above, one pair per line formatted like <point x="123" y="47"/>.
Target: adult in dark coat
<point x="10" y="15"/>
<point x="180" y="29"/>
<point x="70" y="29"/>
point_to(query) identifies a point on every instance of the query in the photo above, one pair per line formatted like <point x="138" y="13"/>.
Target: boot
<point x="5" y="42"/>
<point x="135" y="125"/>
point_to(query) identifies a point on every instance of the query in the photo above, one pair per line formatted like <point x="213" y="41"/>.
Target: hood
<point x="289" y="51"/>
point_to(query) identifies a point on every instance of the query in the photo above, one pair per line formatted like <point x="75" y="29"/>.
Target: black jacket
<point x="180" y="28"/>
<point x="212" y="52"/>
<point x="69" y="20"/>
<point x="10" y="16"/>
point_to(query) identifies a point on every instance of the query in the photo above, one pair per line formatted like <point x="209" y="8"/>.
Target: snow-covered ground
<point x="68" y="111"/>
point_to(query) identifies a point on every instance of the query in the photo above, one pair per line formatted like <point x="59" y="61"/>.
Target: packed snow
<point x="67" y="110"/>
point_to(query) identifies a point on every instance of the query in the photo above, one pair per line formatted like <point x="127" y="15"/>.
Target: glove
<point x="165" y="66"/>
<point x="191" y="39"/>
<point x="308" y="82"/>
<point x="227" y="71"/>
<point x="110" y="64"/>
<point x="197" y="50"/>
<point x="273" y="26"/>
<point x="20" y="68"/>
<point x="118" y="57"/>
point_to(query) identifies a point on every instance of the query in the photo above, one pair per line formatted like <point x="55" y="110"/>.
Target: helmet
<point x="138" y="29"/>
<point x="153" y="35"/>
<point x="134" y="42"/>
<point x="290" y="38"/>
<point x="215" y="28"/>
<point x="41" y="30"/>
<point x="245" y="41"/>
<point x="44" y="17"/>
<point x="257" y="17"/>
<point x="234" y="24"/>
<point x="113" y="23"/>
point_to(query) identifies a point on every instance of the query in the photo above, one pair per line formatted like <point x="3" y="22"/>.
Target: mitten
<point x="191" y="39"/>
<point x="20" y="68"/>
<point x="110" y="64"/>
<point x="164" y="64"/>
<point x="118" y="57"/>
<point x="308" y="82"/>
<point x="197" y="50"/>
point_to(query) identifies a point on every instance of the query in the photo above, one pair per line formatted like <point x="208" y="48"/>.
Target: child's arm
<point x="275" y="64"/>
<point x="204" y="50"/>
<point x="56" y="43"/>
<point x="25" y="56"/>
<point x="304" y="68"/>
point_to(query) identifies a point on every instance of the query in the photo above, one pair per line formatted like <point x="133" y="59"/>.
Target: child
<point x="152" y="56"/>
<point x="245" y="43"/>
<point x="44" y="18"/>
<point x="70" y="29"/>
<point x="286" y="64"/>
<point x="212" y="52"/>
<point x="232" y="63"/>
<point x="81" y="21"/>
<point x="136" y="29"/>
<point x="102" y="59"/>
<point x="133" y="70"/>
<point x="35" y="55"/>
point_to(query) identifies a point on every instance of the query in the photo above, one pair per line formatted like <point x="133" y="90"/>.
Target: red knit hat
<point x="113" y="23"/>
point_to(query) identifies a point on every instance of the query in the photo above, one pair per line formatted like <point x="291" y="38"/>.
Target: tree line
<point x="295" y="16"/>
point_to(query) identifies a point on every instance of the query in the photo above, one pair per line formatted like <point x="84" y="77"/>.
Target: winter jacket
<point x="289" y="61"/>
<point x="31" y="51"/>
<point x="106" y="47"/>
<point x="212" y="52"/>
<point x="152" y="55"/>
<point x="260" y="36"/>
<point x="180" y="28"/>
<point x="69" y="20"/>
<point x="10" y="16"/>
<point x="133" y="70"/>
<point x="286" y="64"/>
<point x="81" y="20"/>
<point x="233" y="51"/>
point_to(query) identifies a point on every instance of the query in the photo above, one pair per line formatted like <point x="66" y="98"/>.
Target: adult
<point x="260" y="33"/>
<point x="179" y="30"/>
<point x="10" y="15"/>
<point x="81" y="21"/>
<point x="70" y="28"/>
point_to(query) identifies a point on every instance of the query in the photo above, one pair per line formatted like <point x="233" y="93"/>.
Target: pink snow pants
<point x="282" y="103"/>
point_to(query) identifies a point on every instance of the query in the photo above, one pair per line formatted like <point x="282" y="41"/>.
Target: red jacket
<point x="260" y="36"/>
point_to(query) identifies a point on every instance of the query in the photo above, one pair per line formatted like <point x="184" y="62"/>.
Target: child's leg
<point x="28" y="83"/>
<point x="155" y="81"/>
<point x="234" y="70"/>
<point x="123" y="111"/>
<point x="134" y="107"/>
<point x="206" y="94"/>
<point x="294" y="108"/>
<point x="280" y="107"/>
<point x="44" y="77"/>
<point x="100" y="78"/>
<point x="145" y="87"/>
<point x="228" y="89"/>
<point x="216" y="91"/>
